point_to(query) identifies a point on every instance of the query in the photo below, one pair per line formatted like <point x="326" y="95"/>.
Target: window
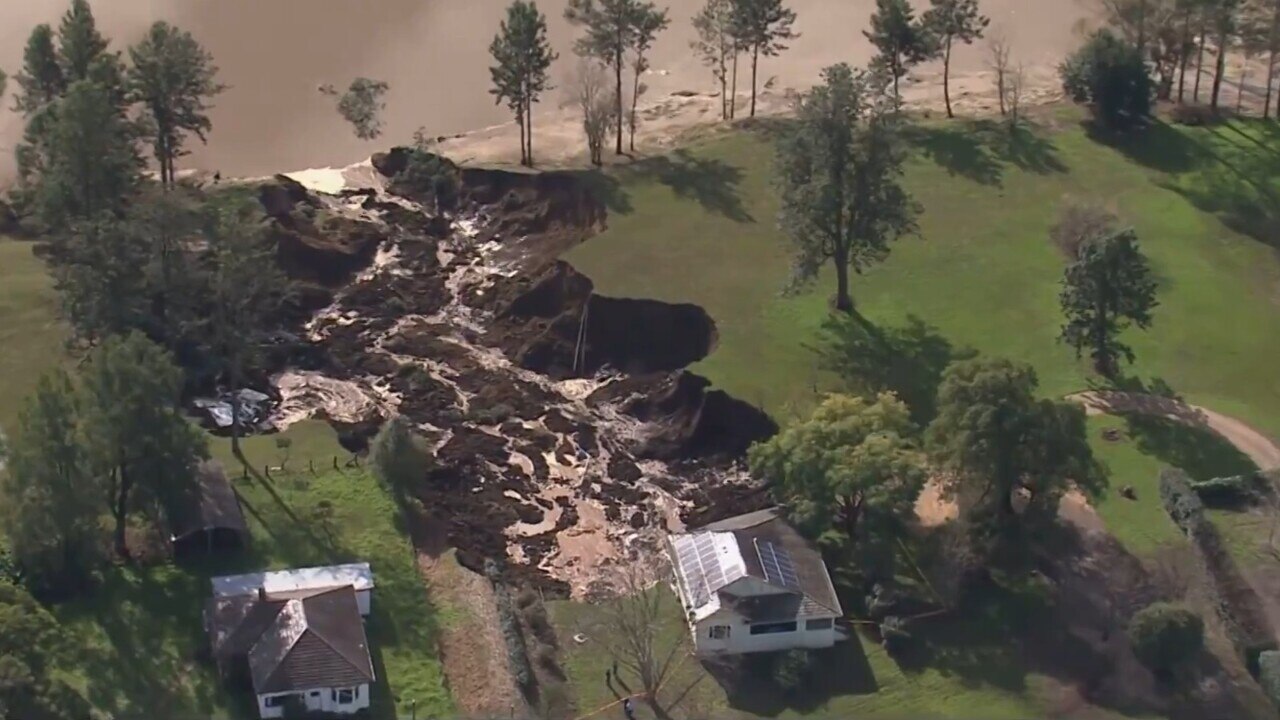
<point x="346" y="696"/>
<point x="771" y="628"/>
<point x="719" y="632"/>
<point x="272" y="701"/>
<point x="315" y="693"/>
<point x="820" y="624"/>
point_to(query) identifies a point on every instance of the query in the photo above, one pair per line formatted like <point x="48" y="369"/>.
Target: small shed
<point x="299" y="581"/>
<point x="211" y="521"/>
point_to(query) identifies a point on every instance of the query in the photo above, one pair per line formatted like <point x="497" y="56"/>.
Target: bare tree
<point x="1080" y="222"/>
<point x="589" y="91"/>
<point x="1013" y="89"/>
<point x="635" y="639"/>
<point x="998" y="61"/>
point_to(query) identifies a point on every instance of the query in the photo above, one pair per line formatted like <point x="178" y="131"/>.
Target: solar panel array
<point x="700" y="566"/>
<point x="777" y="565"/>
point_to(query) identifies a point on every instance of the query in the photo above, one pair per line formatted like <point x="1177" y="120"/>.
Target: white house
<point x="753" y="584"/>
<point x="296" y="639"/>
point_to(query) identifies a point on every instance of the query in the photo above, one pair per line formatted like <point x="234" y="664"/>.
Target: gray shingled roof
<point x="297" y="642"/>
<point x="768" y="528"/>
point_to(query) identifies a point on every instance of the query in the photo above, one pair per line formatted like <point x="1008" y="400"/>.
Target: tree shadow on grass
<point x="712" y="183"/>
<point x="1239" y="188"/>
<point x="605" y="188"/>
<point x="979" y="150"/>
<point x="907" y="360"/>
<point x="750" y="681"/>
<point x="1199" y="451"/>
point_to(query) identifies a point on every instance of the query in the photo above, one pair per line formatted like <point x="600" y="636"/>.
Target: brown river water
<point x="434" y="53"/>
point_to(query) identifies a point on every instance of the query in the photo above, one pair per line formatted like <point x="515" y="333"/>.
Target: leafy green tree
<point x="1107" y="288"/>
<point x="523" y="55"/>
<point x="901" y="39"/>
<point x="174" y="280"/>
<point x="41" y="80"/>
<point x="137" y="439"/>
<point x="92" y="164"/>
<point x="98" y="271"/>
<point x="649" y="22"/>
<point x="839" y="177"/>
<point x="362" y="105"/>
<point x="246" y="290"/>
<point x="950" y="21"/>
<point x="609" y="33"/>
<point x="716" y="45"/>
<point x="849" y="474"/>
<point x="30" y="688"/>
<point x="399" y="458"/>
<point x="51" y="514"/>
<point x="80" y="43"/>
<point x="1000" y="443"/>
<point x="1166" y="635"/>
<point x="173" y="78"/>
<point x="1110" y="74"/>
<point x="762" y="27"/>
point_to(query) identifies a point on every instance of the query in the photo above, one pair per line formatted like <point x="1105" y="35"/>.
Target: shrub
<point x="430" y="175"/>
<point x="792" y="671"/>
<point x="1166" y="635"/>
<point x="1180" y="500"/>
<point x="1230" y="491"/>
<point x="509" y="623"/>
<point x="399" y="458"/>
<point x="1110" y="74"/>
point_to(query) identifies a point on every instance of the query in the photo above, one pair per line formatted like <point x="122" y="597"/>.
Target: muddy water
<point x="434" y="53"/>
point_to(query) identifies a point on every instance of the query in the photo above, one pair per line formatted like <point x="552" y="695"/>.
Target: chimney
<point x="262" y="594"/>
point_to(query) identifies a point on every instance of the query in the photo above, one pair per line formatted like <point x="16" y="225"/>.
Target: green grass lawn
<point x="31" y="338"/>
<point x="138" y="636"/>
<point x="700" y="227"/>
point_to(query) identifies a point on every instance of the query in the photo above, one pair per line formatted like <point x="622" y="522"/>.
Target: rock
<point x="1128" y="492"/>
<point x="1112" y="435"/>
<point x="330" y="254"/>
<point x="391" y="163"/>
<point x="281" y="195"/>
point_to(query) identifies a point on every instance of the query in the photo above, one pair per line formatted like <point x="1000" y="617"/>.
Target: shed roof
<point x="358" y="575"/>
<point x="213" y="505"/>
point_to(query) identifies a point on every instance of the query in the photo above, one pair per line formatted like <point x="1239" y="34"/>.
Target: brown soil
<point x="562" y="422"/>
<point x="474" y="654"/>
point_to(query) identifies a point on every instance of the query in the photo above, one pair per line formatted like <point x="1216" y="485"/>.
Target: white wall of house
<point x="342" y="701"/>
<point x="727" y="633"/>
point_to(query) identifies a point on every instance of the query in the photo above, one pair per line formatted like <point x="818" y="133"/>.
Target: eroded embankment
<point x="567" y="434"/>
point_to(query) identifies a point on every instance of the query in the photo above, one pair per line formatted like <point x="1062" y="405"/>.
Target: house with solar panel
<point x="752" y="583"/>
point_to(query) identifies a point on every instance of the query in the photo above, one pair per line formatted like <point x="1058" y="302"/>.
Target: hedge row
<point x="1235" y="600"/>
<point x="509" y="622"/>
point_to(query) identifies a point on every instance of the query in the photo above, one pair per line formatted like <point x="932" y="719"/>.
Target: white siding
<point x="319" y="700"/>
<point x="740" y="640"/>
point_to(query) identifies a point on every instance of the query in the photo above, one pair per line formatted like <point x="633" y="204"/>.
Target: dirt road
<point x="1260" y="449"/>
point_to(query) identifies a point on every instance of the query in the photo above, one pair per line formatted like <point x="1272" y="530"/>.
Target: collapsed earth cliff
<point x="567" y="434"/>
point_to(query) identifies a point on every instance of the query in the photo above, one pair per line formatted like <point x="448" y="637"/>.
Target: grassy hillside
<point x="700" y="227"/>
